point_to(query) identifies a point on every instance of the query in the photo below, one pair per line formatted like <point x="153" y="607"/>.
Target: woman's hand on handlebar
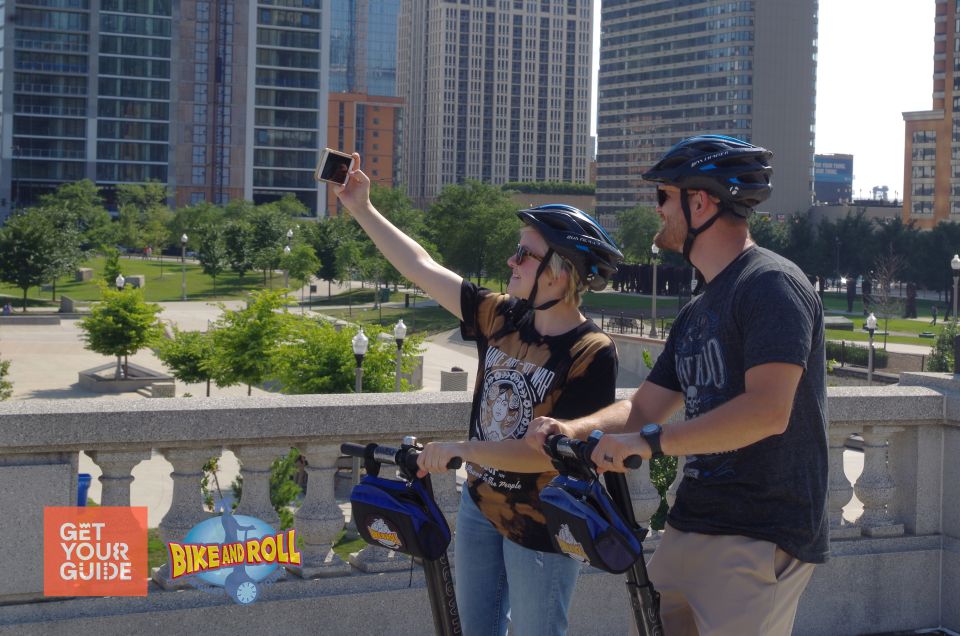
<point x="612" y="449"/>
<point x="436" y="455"/>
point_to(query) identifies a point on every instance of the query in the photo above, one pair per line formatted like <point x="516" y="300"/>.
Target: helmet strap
<point x="693" y="233"/>
<point x="536" y="283"/>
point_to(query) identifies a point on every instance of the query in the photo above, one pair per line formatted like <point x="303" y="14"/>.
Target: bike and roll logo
<point x="569" y="545"/>
<point x="383" y="533"/>
<point x="233" y="554"/>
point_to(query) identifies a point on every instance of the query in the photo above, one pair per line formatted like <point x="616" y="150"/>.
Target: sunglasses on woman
<point x="661" y="197"/>
<point x="522" y="253"/>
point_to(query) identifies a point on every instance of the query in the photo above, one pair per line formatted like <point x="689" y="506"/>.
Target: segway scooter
<point x="595" y="524"/>
<point x="402" y="515"/>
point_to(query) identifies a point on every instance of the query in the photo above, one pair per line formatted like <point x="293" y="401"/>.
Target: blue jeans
<point x="498" y="581"/>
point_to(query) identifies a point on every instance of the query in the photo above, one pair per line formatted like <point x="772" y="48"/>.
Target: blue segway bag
<point x="399" y="516"/>
<point x="585" y="525"/>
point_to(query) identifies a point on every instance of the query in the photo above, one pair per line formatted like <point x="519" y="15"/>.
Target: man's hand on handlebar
<point x="611" y="450"/>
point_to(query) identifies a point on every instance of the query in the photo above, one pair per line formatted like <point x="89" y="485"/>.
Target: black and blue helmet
<point x="578" y="238"/>
<point x="734" y="171"/>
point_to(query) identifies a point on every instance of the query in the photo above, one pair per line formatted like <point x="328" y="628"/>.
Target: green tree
<point x="472" y="225"/>
<point x="111" y="265"/>
<point x="245" y="338"/>
<point x="768" y="233"/>
<point x="268" y="236"/>
<point x="300" y="264"/>
<point x="212" y="252"/>
<point x="81" y="205"/>
<point x="121" y="324"/>
<point x="237" y="237"/>
<point x="28" y="248"/>
<point x="316" y="358"/>
<point x="189" y="354"/>
<point x="155" y="228"/>
<point x="638" y="226"/>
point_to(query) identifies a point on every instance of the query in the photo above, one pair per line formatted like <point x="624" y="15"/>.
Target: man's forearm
<point x="610" y="419"/>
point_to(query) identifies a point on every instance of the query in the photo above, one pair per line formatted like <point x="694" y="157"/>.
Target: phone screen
<point x="335" y="168"/>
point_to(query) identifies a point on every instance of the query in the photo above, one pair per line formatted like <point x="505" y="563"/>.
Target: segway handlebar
<point x="405" y="457"/>
<point x="561" y="447"/>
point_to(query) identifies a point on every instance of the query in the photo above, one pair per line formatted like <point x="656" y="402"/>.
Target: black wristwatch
<point x="651" y="434"/>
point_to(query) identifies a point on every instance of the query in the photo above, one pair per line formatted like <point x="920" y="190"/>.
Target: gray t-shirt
<point x="760" y="309"/>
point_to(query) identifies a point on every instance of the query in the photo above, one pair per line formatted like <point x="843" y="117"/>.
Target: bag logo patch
<point x="569" y="544"/>
<point x="381" y="532"/>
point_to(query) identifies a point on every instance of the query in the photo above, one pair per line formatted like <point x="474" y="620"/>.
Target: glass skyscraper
<point x="670" y="70"/>
<point x="218" y="100"/>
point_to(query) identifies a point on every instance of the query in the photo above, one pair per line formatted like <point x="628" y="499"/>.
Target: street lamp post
<point x="871" y="327"/>
<point x="286" y="270"/>
<point x="399" y="333"/>
<point x="360" y="344"/>
<point x="183" y="266"/>
<point x="120" y="282"/>
<point x="836" y="246"/>
<point x="955" y="266"/>
<point x="653" y="322"/>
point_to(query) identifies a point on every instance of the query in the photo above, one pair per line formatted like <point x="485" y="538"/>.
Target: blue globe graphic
<point x="212" y="531"/>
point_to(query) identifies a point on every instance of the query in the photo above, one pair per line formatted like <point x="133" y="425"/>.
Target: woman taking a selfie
<point x="538" y="356"/>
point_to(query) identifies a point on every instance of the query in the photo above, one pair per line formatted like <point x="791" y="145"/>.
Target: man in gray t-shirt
<point x="746" y="362"/>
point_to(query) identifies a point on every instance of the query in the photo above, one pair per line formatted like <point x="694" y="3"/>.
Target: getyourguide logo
<point x="94" y="551"/>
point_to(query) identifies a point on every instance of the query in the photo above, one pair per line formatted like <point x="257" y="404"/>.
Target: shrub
<point x="847" y="353"/>
<point x="941" y="356"/>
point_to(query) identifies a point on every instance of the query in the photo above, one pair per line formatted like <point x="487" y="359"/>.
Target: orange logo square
<point x="94" y="551"/>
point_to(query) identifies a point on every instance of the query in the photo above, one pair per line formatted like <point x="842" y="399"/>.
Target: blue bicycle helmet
<point x="578" y="238"/>
<point x="734" y="171"/>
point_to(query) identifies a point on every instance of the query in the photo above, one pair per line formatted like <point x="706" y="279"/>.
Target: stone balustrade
<point x="889" y="566"/>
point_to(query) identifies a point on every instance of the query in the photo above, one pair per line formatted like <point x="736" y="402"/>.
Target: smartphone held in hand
<point x="334" y="167"/>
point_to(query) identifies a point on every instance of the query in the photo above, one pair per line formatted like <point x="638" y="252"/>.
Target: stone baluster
<point x="186" y="509"/>
<point x="116" y="477"/>
<point x="839" y="487"/>
<point x="255" y="463"/>
<point x="319" y="518"/>
<point x="672" y="490"/>
<point x="876" y="488"/>
<point x="643" y="495"/>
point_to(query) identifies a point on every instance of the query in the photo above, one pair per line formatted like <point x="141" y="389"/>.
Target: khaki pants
<point x="726" y="585"/>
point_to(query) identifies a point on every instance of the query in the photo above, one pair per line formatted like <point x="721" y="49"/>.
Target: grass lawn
<point x="426" y="320"/>
<point x="163" y="283"/>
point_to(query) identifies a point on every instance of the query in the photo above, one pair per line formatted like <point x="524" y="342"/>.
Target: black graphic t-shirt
<point x="760" y="309"/>
<point x="523" y="375"/>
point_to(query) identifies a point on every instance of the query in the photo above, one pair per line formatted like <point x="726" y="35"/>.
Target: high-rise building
<point x="218" y="100"/>
<point x="670" y="70"/>
<point x="497" y="91"/>
<point x="931" y="160"/>
<point x="364" y="113"/>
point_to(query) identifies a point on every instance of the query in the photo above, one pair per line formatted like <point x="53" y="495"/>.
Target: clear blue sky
<point x="875" y="61"/>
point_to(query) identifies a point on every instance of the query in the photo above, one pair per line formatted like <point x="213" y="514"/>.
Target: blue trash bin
<point x="83" y="485"/>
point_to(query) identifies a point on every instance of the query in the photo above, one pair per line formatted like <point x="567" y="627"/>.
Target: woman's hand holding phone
<point x="355" y="193"/>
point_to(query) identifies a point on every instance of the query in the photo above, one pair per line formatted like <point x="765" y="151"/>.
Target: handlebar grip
<point x="633" y="462"/>
<point x="353" y="450"/>
<point x="455" y="463"/>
